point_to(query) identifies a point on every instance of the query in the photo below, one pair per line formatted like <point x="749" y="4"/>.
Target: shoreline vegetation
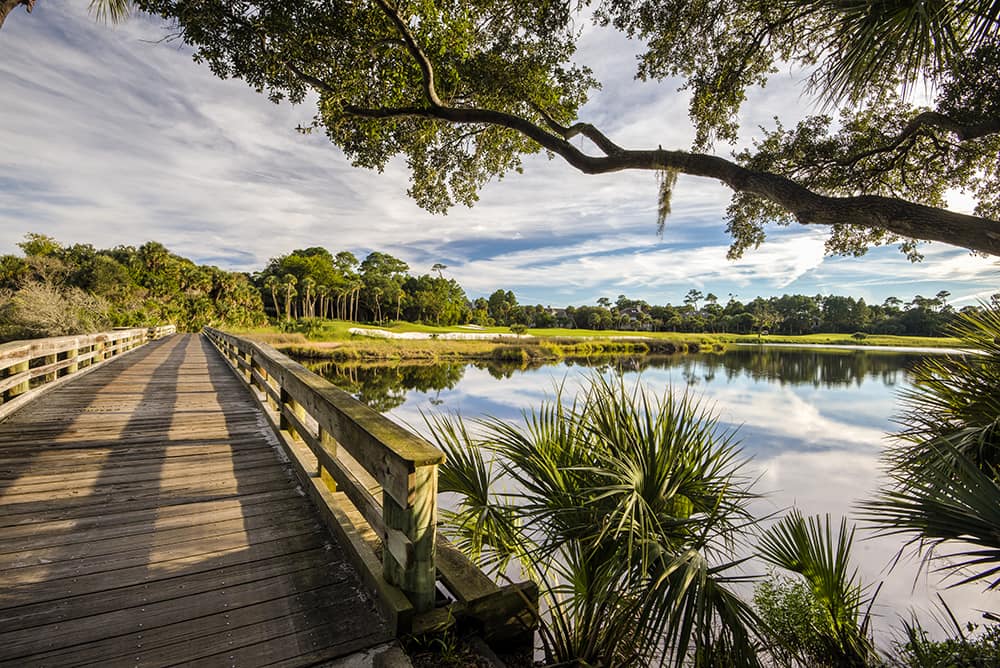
<point x="339" y="341"/>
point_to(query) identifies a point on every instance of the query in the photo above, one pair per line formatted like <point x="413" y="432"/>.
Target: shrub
<point x="40" y="310"/>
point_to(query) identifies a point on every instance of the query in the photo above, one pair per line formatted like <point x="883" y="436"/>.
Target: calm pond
<point x="813" y="422"/>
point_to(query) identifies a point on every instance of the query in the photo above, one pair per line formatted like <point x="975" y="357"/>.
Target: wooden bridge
<point x="204" y="500"/>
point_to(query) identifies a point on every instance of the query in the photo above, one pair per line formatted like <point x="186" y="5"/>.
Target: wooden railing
<point x="375" y="485"/>
<point x="30" y="367"/>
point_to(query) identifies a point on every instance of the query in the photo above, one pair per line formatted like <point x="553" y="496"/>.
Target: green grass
<point x="846" y="339"/>
<point x="330" y="334"/>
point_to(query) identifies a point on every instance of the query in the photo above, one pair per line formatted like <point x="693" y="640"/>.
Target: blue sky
<point x="110" y="135"/>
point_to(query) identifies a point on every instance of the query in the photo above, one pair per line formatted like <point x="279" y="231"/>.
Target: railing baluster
<point x="20" y="388"/>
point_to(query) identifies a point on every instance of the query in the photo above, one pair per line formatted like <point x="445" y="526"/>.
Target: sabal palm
<point x="809" y="547"/>
<point x="625" y="508"/>
<point x="115" y="11"/>
<point x="944" y="483"/>
<point x="877" y="43"/>
<point x="954" y="403"/>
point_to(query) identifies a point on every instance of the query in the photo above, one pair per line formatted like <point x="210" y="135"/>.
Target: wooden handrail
<point x="32" y="366"/>
<point x="390" y="477"/>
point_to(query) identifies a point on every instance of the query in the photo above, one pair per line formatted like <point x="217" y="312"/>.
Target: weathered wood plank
<point x="319" y="602"/>
<point x="145" y="518"/>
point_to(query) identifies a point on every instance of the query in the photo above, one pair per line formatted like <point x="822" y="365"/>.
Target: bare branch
<point x="418" y="54"/>
<point x="929" y="119"/>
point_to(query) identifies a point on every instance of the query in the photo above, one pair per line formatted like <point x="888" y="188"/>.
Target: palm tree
<point x="271" y="283"/>
<point x="625" y="508"/>
<point x="308" y="300"/>
<point x="944" y="480"/>
<point x="322" y="291"/>
<point x="877" y="43"/>
<point x="356" y="298"/>
<point x="807" y="546"/>
<point x="288" y="282"/>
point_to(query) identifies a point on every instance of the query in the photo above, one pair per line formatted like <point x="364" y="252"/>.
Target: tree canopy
<point x="57" y="289"/>
<point x="464" y="90"/>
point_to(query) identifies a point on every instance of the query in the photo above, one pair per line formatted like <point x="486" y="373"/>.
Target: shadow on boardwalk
<point x="146" y="520"/>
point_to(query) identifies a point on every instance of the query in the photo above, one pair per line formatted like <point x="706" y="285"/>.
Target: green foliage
<point x="968" y="648"/>
<point x="873" y="149"/>
<point x="625" y="508"/>
<point x="489" y="53"/>
<point x="57" y="289"/>
<point x="943" y="486"/>
<point x="793" y="620"/>
<point x="807" y="546"/>
<point x="463" y="90"/>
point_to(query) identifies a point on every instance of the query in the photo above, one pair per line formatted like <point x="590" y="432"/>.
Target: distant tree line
<point x="315" y="283"/>
<point x="54" y="290"/>
<point x="788" y="314"/>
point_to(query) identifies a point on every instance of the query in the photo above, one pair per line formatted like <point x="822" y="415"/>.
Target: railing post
<point x="295" y="407"/>
<point x="248" y="371"/>
<point x="20" y="388"/>
<point x="418" y="522"/>
<point x="51" y="376"/>
<point x="328" y="443"/>
<point x="74" y="366"/>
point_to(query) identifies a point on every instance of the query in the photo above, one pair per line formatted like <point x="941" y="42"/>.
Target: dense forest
<point x="56" y="289"/>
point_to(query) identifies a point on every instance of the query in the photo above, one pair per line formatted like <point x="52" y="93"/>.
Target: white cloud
<point x="639" y="263"/>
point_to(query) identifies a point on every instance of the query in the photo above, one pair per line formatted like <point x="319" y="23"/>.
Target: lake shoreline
<point x="491" y="350"/>
<point x="344" y="342"/>
<point x="526" y="350"/>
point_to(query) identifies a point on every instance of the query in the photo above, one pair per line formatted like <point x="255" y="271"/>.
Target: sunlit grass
<point x="338" y="331"/>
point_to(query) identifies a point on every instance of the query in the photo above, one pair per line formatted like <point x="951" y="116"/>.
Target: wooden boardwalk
<point x="147" y="520"/>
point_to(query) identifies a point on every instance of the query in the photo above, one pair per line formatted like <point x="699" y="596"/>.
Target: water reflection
<point x="813" y="423"/>
<point x="387" y="386"/>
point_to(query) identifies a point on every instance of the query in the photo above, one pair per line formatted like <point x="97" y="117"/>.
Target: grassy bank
<point x="331" y="340"/>
<point x="874" y="340"/>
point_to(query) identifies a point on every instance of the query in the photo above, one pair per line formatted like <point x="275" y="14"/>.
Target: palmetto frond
<point x="954" y="405"/>
<point x="872" y="43"/>
<point x="114" y="11"/>
<point x="620" y="503"/>
<point x="956" y="504"/>
<point x="809" y="547"/>
<point x="943" y="471"/>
